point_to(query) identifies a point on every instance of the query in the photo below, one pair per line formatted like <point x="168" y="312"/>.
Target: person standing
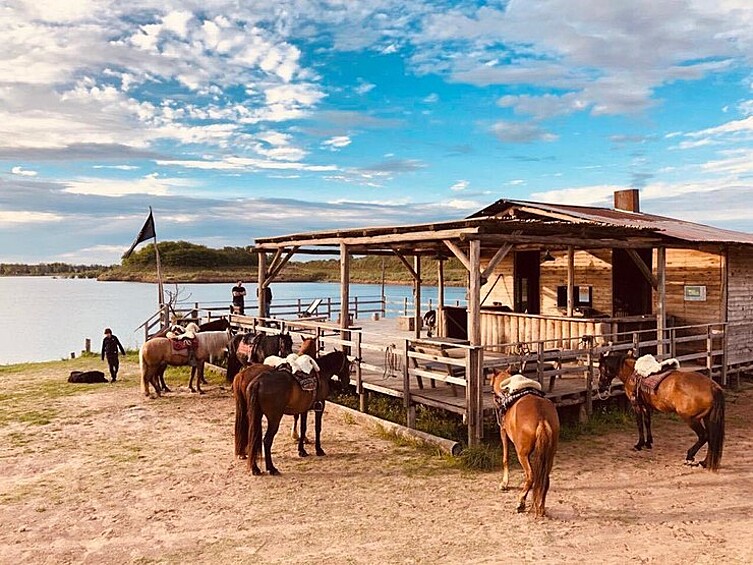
<point x="110" y="346"/>
<point x="239" y="294"/>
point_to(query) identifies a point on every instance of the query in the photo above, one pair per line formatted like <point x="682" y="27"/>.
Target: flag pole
<point x="160" y="288"/>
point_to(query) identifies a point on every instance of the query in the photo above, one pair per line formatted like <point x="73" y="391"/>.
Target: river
<point x="47" y="318"/>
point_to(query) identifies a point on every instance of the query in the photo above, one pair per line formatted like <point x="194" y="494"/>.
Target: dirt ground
<point x="98" y="474"/>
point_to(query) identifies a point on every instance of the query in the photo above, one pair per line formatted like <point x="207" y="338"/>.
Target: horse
<point x="157" y="353"/>
<point x="308" y="347"/>
<point x="245" y="349"/>
<point x="274" y="393"/>
<point x="532" y="424"/>
<point x="241" y="381"/>
<point x="694" y="397"/>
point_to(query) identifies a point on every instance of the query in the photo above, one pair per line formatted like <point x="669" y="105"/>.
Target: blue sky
<point x="235" y="122"/>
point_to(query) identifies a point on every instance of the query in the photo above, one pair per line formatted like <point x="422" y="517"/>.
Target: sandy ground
<point x="115" y="478"/>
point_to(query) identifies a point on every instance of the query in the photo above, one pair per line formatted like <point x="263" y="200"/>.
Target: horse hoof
<point x="320" y="452"/>
<point x="274" y="471"/>
<point x="637" y="447"/>
<point x="303" y="454"/>
<point x="256" y="472"/>
<point x="503" y="487"/>
<point x="201" y="392"/>
<point x="166" y="390"/>
<point x="692" y="463"/>
<point x="521" y="508"/>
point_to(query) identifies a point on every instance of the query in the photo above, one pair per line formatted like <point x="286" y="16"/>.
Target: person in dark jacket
<point x="239" y="295"/>
<point x="110" y="346"/>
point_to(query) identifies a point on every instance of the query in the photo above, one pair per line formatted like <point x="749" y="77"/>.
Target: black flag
<point x="147" y="231"/>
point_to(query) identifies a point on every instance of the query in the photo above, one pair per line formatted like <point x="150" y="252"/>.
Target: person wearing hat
<point x="110" y="346"/>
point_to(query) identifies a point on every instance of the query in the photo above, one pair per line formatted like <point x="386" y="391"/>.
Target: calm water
<point x="48" y="318"/>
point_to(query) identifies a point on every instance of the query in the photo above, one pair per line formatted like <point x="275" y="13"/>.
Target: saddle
<point x="184" y="344"/>
<point x="303" y="368"/>
<point x="505" y="401"/>
<point x="648" y="374"/>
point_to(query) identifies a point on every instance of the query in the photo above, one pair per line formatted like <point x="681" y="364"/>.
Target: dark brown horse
<point x="241" y="381"/>
<point x="245" y="349"/>
<point x="275" y="392"/>
<point x="532" y="424"/>
<point x="695" y="398"/>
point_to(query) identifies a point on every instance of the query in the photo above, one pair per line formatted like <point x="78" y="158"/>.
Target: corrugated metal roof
<point x="669" y="227"/>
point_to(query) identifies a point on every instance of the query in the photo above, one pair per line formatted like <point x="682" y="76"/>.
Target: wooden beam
<point x="496" y="260"/>
<point x="275" y="258"/>
<point x="553" y="240"/>
<point x="282" y="262"/>
<point x="405" y="262"/>
<point x="400" y="237"/>
<point x="644" y="268"/>
<point x="417" y="296"/>
<point x="474" y="294"/>
<point x="458" y="253"/>
<point x="661" y="302"/>
<point x="344" y="289"/>
<point x="262" y="300"/>
<point x="570" y="281"/>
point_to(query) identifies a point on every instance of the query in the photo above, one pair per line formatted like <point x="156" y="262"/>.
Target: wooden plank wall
<point x="740" y="305"/>
<point x="501" y="281"/>
<point x="693" y="267"/>
<point x="592" y="268"/>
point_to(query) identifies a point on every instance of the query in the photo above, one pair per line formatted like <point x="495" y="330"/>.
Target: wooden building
<point x="549" y="274"/>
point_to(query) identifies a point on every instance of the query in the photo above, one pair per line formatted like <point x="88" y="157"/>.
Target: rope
<point x="393" y="362"/>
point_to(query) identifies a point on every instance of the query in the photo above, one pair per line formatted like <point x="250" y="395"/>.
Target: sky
<point x="235" y="120"/>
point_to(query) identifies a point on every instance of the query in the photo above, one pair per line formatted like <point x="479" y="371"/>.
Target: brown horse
<point x="241" y="381"/>
<point x="275" y="392"/>
<point x="695" y="398"/>
<point x="157" y="353"/>
<point x="532" y="424"/>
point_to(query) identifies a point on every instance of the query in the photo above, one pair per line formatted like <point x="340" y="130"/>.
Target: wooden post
<point x="709" y="350"/>
<point x="473" y="400"/>
<point x="672" y="342"/>
<point x="589" y="378"/>
<point x="661" y="302"/>
<point x="570" y="281"/>
<point x="540" y="363"/>
<point x="440" y="298"/>
<point x="344" y="290"/>
<point x="410" y="411"/>
<point x="474" y="371"/>
<point x="88" y="345"/>
<point x="359" y="382"/>
<point x="262" y="277"/>
<point x="636" y="345"/>
<point x="417" y="296"/>
<point x="725" y="310"/>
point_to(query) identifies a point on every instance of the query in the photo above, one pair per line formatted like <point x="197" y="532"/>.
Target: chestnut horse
<point x="157" y="353"/>
<point x="532" y="424"/>
<point x="274" y="393"/>
<point x="694" y="397"/>
<point x="241" y="381"/>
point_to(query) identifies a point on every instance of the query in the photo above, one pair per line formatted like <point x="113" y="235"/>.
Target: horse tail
<point x="715" y="429"/>
<point x="233" y="365"/>
<point x="143" y="366"/>
<point x="541" y="464"/>
<point x="241" y="423"/>
<point x="254" y="410"/>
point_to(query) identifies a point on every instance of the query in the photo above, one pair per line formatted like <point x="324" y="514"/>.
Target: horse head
<point x="284" y="344"/>
<point x="610" y="364"/>
<point x="336" y="363"/>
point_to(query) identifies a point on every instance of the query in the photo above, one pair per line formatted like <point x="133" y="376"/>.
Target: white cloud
<point x="337" y="142"/>
<point x="520" y="132"/>
<point x="23" y="172"/>
<point x="460" y="185"/>
<point x="8" y="218"/>
<point x="149" y="185"/>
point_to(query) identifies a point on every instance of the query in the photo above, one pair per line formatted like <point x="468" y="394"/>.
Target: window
<point x="583" y="296"/>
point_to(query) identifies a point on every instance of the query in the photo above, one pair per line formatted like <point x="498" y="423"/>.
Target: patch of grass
<point x="606" y="419"/>
<point x="36" y="418"/>
<point x="482" y="457"/>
